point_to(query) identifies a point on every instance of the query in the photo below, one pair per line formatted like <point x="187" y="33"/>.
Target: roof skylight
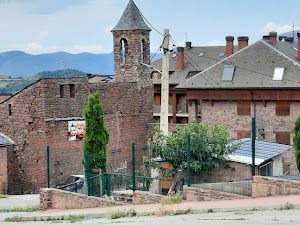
<point x="201" y="53"/>
<point x="228" y="73"/>
<point x="174" y="55"/>
<point x="278" y="73"/>
<point x="222" y="54"/>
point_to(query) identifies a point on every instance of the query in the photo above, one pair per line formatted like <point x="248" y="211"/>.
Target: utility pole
<point x="164" y="110"/>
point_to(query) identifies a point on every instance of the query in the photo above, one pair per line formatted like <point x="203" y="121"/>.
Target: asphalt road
<point x="14" y="201"/>
<point x="214" y="218"/>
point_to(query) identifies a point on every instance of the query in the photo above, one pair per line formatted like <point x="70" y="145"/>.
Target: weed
<point x="210" y="211"/>
<point x="22" y="209"/>
<point x="75" y="218"/>
<point x="1" y="196"/>
<point x="118" y="213"/>
<point x="288" y="206"/>
<point x="241" y="218"/>
<point x="14" y="219"/>
<point x="171" y="199"/>
<point x="173" y="212"/>
<point x="109" y="204"/>
<point x="253" y="209"/>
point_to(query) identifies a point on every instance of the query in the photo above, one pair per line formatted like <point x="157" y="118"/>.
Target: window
<point x="266" y="169"/>
<point x="9" y="110"/>
<point x="201" y="53"/>
<point x="124" y="50"/>
<point x="142" y="51"/>
<point x="278" y="73"/>
<point x="243" y="134"/>
<point x="157" y="99"/>
<point x="155" y="75"/>
<point x="191" y="74"/>
<point x="61" y="91"/>
<point x="228" y="73"/>
<point x="283" y="138"/>
<point x="283" y="108"/>
<point x="244" y="108"/>
<point x="222" y="54"/>
<point x="72" y="90"/>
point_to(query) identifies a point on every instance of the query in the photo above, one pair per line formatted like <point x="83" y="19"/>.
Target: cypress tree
<point x="96" y="134"/>
<point x="296" y="141"/>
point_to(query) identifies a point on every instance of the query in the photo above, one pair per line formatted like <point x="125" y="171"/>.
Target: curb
<point x="150" y="213"/>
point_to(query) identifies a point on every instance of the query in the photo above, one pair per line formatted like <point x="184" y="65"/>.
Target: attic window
<point x="201" y="53"/>
<point x="72" y="90"/>
<point x="222" y="54"/>
<point x="228" y="73"/>
<point x="278" y="73"/>
<point x="191" y="74"/>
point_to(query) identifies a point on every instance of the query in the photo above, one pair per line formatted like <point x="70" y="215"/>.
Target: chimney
<point x="289" y="39"/>
<point x="180" y="58"/>
<point x="188" y="45"/>
<point x="229" y="45"/>
<point x="273" y="36"/>
<point x="298" y="34"/>
<point x="243" y="42"/>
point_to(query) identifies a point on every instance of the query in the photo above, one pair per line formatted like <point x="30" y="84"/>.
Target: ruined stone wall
<point x="3" y="170"/>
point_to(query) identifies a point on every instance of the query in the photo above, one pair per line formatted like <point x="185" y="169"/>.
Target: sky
<point x="75" y="26"/>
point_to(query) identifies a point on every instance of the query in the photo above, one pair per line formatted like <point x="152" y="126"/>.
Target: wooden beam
<point x="264" y="103"/>
<point x="211" y="102"/>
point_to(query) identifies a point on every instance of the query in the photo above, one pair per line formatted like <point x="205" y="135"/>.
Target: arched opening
<point x="124" y="50"/>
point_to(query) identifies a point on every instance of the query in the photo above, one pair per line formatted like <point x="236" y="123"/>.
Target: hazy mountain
<point x="21" y="64"/>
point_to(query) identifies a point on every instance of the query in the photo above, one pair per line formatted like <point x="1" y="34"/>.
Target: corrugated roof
<point x="254" y="68"/>
<point x="131" y="19"/>
<point x="192" y="62"/>
<point x="263" y="151"/>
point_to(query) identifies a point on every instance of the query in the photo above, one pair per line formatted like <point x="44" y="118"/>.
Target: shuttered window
<point x="157" y="99"/>
<point x="283" y="108"/>
<point x="283" y="138"/>
<point x="244" y="108"/>
<point x="243" y="134"/>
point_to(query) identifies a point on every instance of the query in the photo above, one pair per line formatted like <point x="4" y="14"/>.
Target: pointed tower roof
<point x="131" y="19"/>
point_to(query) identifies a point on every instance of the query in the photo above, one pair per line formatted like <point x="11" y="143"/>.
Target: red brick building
<point x="38" y="115"/>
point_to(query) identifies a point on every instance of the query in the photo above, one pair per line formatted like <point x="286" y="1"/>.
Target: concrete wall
<point x="51" y="198"/>
<point x="268" y="186"/>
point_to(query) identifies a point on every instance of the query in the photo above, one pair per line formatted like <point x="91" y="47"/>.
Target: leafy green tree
<point x="209" y="146"/>
<point x="96" y="134"/>
<point x="296" y="141"/>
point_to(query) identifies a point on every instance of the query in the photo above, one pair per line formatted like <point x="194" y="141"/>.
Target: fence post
<point x="253" y="146"/>
<point x="108" y="184"/>
<point x="48" y="166"/>
<point x="88" y="171"/>
<point x="189" y="159"/>
<point x="133" y="167"/>
<point x="103" y="183"/>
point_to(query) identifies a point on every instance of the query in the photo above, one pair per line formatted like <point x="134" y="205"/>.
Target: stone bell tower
<point x="131" y="47"/>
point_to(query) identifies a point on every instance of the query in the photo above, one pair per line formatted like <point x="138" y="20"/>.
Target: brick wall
<point x="268" y="186"/>
<point x="198" y="194"/>
<point x="51" y="198"/>
<point x="3" y="170"/>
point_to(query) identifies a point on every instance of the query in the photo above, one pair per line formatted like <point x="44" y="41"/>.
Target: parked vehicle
<point x="72" y="182"/>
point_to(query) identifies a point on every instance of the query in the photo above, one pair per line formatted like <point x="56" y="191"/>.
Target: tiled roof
<point x="254" y="68"/>
<point x="131" y="19"/>
<point x="192" y="62"/>
<point x="263" y="151"/>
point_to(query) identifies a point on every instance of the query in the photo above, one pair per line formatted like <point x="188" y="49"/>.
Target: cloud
<point x="215" y="43"/>
<point x="34" y="46"/>
<point x="43" y="34"/>
<point x="88" y="48"/>
<point x="108" y="29"/>
<point x="278" y="28"/>
<point x="180" y="44"/>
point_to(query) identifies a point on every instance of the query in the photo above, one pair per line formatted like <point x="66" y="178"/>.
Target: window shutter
<point x="283" y="138"/>
<point x="244" y="108"/>
<point x="283" y="108"/>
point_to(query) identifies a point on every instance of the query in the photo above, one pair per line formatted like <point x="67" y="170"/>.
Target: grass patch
<point x="173" y="212"/>
<point x="171" y="199"/>
<point x="240" y="218"/>
<point x="1" y="196"/>
<point x="22" y="209"/>
<point x="119" y="213"/>
<point x="14" y="219"/>
<point x="287" y="206"/>
<point x="74" y="218"/>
